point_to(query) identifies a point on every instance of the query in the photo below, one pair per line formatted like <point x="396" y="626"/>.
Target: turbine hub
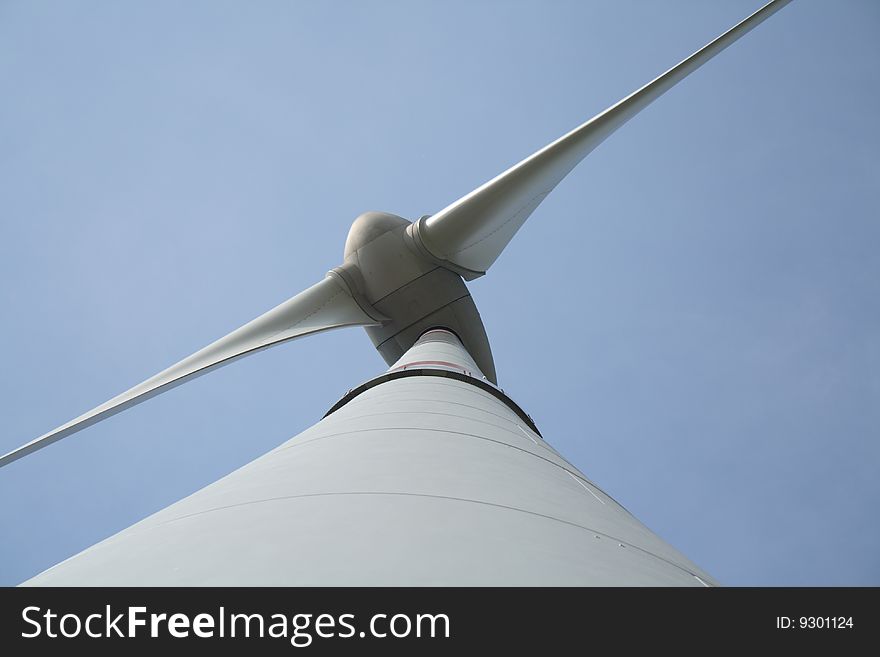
<point x="368" y="227"/>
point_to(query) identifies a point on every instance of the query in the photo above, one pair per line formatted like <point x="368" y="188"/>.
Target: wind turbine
<point x="440" y="476"/>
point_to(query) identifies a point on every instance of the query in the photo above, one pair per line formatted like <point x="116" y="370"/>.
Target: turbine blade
<point x="323" y="306"/>
<point x="469" y="235"/>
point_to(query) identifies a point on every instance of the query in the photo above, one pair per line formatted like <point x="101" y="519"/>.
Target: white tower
<point x="425" y="475"/>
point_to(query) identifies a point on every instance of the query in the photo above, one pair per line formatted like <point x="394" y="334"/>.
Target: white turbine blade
<point x="469" y="235"/>
<point x="323" y="306"/>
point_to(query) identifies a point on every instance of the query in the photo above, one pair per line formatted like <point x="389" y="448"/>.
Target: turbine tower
<point x="426" y="474"/>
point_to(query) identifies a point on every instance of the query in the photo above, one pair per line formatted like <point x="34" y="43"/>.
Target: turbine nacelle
<point x="408" y="292"/>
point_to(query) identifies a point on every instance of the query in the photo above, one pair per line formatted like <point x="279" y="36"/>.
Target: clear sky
<point x="691" y="317"/>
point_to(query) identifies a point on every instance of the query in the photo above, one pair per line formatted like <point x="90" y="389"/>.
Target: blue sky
<point x="691" y="317"/>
